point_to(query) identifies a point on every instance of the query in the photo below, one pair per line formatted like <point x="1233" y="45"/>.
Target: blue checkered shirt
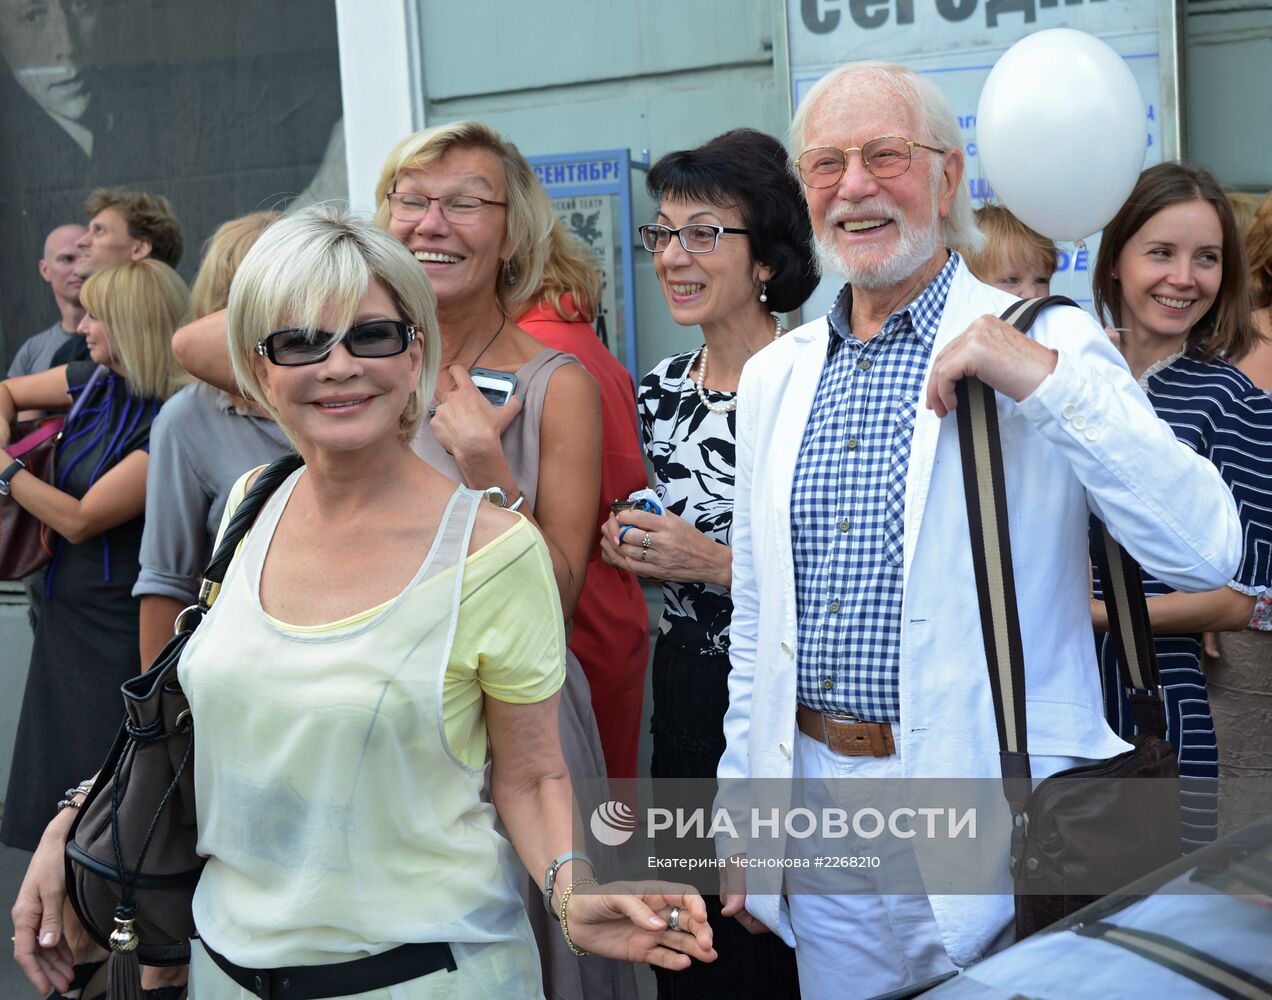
<point x="848" y="505"/>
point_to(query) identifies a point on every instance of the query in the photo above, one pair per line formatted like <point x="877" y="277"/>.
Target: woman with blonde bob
<point x="85" y="618"/>
<point x="468" y="208"/>
<point x="375" y="741"/>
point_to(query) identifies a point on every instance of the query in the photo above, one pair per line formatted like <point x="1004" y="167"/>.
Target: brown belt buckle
<point x="855" y="737"/>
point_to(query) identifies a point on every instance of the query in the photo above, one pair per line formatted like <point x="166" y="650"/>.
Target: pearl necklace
<point x="701" y="377"/>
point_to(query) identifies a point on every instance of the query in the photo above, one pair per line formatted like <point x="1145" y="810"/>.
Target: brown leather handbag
<point x="26" y="543"/>
<point x="131" y="863"/>
<point x="1088" y="830"/>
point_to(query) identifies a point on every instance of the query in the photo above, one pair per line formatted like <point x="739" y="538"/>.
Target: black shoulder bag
<point x="131" y="865"/>
<point x="1088" y="829"/>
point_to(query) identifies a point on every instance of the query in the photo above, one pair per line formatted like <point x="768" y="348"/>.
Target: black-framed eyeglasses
<point x="887" y="156"/>
<point x="697" y="238"/>
<point x="377" y="338"/>
<point x="406" y="206"/>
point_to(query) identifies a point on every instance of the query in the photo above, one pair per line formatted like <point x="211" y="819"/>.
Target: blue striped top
<point x="1219" y="413"/>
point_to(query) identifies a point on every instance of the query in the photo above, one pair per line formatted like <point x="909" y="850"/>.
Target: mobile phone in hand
<point x="495" y="385"/>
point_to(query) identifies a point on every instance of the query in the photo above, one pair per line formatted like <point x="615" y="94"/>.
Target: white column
<point x="380" y="86"/>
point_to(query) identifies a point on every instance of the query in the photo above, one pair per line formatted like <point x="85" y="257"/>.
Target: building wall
<point x="1229" y="80"/>
<point x="559" y="77"/>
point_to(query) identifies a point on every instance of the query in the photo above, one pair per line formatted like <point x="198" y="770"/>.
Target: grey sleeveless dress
<point x="565" y="977"/>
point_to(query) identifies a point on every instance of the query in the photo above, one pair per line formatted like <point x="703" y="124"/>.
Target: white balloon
<point x="1061" y="132"/>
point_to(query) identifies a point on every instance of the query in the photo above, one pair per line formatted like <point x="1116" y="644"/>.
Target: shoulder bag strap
<point x="1130" y="630"/>
<point x="981" y="450"/>
<point x="80" y="400"/>
<point x="271" y="477"/>
<point x="85" y="392"/>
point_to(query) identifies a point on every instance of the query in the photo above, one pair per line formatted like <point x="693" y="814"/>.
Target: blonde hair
<point x="530" y="218"/>
<point x="1245" y="207"/>
<point x="1005" y="234"/>
<point x="570" y="270"/>
<point x="931" y="114"/>
<point x="1258" y="244"/>
<point x="141" y="304"/>
<point x="313" y="267"/>
<point x="222" y="255"/>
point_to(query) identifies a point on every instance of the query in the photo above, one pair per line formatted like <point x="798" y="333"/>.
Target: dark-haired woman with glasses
<point x="731" y="247"/>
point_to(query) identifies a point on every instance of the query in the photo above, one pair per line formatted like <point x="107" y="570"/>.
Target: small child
<point x="1015" y="258"/>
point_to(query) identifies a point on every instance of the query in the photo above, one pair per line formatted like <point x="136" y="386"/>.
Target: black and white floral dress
<point x="692" y="452"/>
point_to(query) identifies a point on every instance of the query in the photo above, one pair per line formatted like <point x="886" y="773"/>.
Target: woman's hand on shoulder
<point x="466" y="424"/>
<point x="665" y="547"/>
<point x="629" y="921"/>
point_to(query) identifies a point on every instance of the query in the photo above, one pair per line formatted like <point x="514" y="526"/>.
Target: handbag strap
<point x="82" y="398"/>
<point x="244" y="516"/>
<point x="54" y="427"/>
<point x="980" y="446"/>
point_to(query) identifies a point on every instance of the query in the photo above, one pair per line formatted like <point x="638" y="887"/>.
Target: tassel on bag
<point x="123" y="970"/>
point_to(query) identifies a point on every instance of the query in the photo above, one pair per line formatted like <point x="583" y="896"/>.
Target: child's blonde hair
<point x="1005" y="233"/>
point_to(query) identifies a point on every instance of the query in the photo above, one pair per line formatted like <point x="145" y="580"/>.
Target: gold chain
<point x="565" y="923"/>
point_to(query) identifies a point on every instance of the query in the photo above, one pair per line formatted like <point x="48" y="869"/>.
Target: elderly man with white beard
<point x="856" y="645"/>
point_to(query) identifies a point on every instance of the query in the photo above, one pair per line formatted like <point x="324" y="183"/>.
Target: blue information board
<point x="592" y="195"/>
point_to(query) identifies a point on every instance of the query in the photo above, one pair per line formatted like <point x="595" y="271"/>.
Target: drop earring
<point x="510" y="276"/>
<point x="763" y="292"/>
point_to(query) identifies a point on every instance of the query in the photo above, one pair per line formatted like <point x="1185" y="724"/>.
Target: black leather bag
<point x="1087" y="830"/>
<point x="131" y="864"/>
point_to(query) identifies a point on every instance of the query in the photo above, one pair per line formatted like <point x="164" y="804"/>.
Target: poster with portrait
<point x="224" y="108"/>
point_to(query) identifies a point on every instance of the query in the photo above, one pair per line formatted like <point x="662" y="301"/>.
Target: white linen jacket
<point x="1085" y="440"/>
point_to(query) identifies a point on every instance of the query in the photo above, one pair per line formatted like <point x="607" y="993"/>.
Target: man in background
<point x="122" y="226"/>
<point x="57" y="268"/>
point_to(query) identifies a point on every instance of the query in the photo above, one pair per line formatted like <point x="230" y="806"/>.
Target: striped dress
<point x="1219" y="413"/>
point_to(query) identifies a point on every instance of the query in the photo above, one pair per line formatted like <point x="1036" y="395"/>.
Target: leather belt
<point x="846" y="735"/>
<point x="339" y="979"/>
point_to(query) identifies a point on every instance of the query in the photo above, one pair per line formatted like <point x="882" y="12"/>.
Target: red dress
<point x="611" y="622"/>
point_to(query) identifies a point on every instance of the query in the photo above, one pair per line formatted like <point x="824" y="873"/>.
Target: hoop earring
<point x="763" y="292"/>
<point x="510" y="275"/>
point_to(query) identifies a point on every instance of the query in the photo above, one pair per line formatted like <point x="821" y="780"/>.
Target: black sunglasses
<point x="377" y="338"/>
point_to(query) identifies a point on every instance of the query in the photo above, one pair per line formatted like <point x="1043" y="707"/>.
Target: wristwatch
<point x="499" y="497"/>
<point x="8" y="474"/>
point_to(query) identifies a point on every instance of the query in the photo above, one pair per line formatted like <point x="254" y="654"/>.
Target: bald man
<point x="57" y="267"/>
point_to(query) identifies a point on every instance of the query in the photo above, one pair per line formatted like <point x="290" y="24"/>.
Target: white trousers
<point x="858" y="944"/>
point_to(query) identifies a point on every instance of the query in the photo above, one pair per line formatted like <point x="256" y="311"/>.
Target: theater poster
<point x="592" y="195"/>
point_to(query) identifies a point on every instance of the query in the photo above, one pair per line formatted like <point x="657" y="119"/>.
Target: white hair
<point x="930" y="112"/>
<point x="317" y="264"/>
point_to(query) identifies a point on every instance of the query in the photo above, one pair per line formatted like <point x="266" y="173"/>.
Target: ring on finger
<point x="673" y="919"/>
<point x="647" y="541"/>
<point x="644" y="555"/>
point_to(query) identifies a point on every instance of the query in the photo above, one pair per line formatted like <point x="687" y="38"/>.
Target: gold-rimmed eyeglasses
<point x="458" y="208"/>
<point x="887" y="156"/>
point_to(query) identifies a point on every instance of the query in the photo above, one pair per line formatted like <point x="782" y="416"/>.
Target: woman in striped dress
<point x="1172" y="275"/>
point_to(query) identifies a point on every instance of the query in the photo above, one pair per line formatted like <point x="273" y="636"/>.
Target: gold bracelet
<point x="565" y="923"/>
